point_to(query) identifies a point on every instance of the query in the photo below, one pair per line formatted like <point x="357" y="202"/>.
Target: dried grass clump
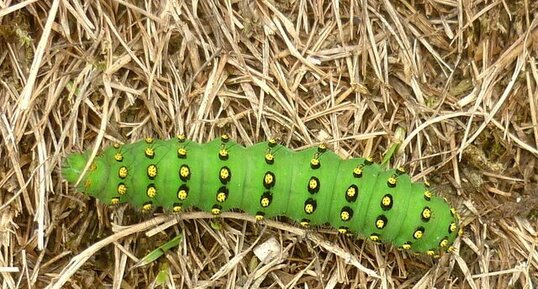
<point x="460" y="77"/>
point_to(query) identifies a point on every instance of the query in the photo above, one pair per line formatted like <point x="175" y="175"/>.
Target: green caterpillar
<point x="313" y="187"/>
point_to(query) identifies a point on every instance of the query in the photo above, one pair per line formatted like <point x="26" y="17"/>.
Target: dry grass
<point x="459" y="76"/>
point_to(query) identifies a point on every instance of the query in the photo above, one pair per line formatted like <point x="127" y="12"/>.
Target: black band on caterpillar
<point x="314" y="187"/>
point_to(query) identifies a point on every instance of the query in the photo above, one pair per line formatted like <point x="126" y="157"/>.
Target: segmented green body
<point x="313" y="187"/>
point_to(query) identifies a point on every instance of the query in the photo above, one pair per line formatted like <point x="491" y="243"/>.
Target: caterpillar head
<point x="73" y="166"/>
<point x="95" y="180"/>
